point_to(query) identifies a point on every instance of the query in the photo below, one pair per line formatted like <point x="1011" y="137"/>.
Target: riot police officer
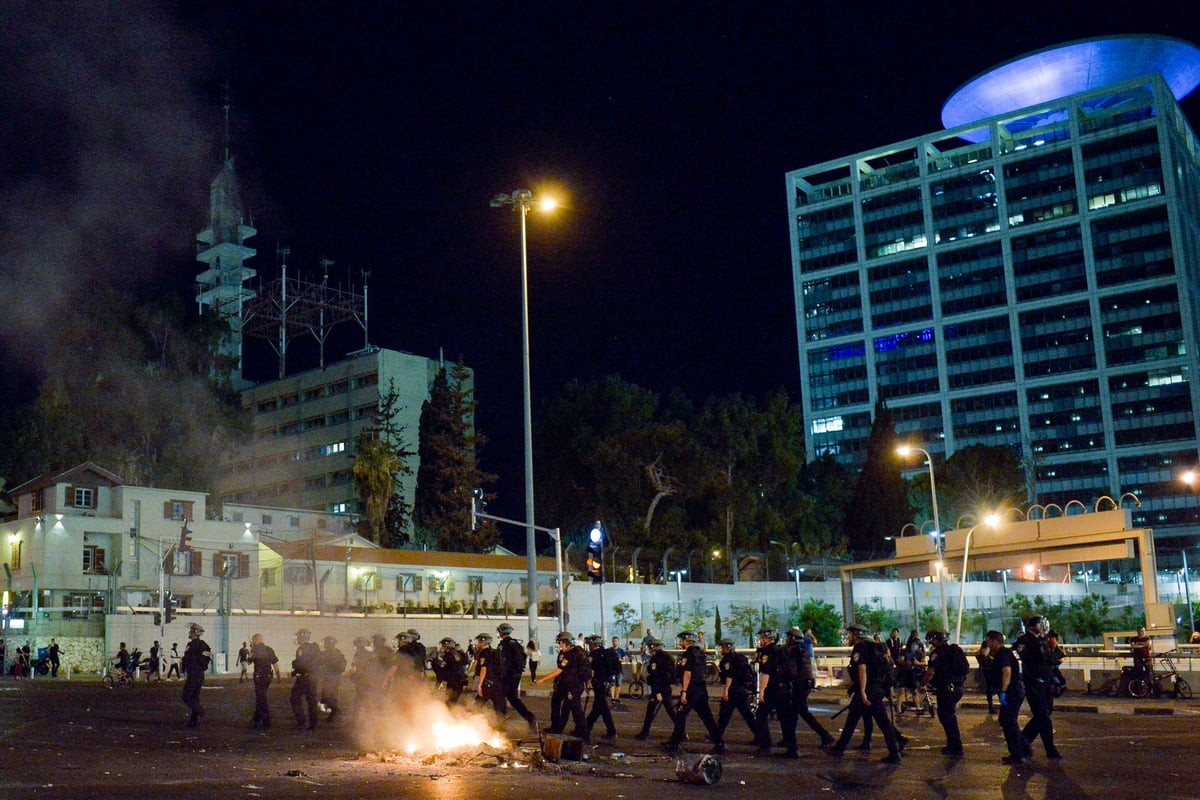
<point x="1038" y="671"/>
<point x="331" y="666"/>
<point x="450" y="668"/>
<point x="946" y="674"/>
<point x="304" y="688"/>
<point x="660" y="677"/>
<point x="601" y="682"/>
<point x="776" y="675"/>
<point x="514" y="664"/>
<point x="566" y="697"/>
<point x="694" y="694"/>
<point x="866" y="695"/>
<point x="196" y="657"/>
<point x="264" y="662"/>
<point x="798" y="651"/>
<point x="1005" y="679"/>
<point x="489" y="674"/>
<point x="737" y="681"/>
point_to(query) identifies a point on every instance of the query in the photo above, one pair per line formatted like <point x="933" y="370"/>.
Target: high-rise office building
<point x="1028" y="277"/>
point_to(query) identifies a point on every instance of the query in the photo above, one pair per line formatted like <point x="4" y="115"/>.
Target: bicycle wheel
<point x="1139" y="687"/>
<point x="637" y="689"/>
<point x="1183" y="688"/>
<point x="108" y="681"/>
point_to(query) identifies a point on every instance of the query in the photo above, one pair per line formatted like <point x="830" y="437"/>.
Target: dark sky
<point x="375" y="134"/>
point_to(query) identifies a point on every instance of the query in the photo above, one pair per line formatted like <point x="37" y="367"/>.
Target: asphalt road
<point x="77" y="739"/>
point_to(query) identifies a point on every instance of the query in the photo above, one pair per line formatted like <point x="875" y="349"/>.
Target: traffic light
<point x="157" y="619"/>
<point x="185" y="539"/>
<point x="595" y="554"/>
<point x="170" y="606"/>
<point x="476" y="508"/>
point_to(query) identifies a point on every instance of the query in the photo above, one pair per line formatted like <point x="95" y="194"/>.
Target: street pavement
<point x="78" y="739"/>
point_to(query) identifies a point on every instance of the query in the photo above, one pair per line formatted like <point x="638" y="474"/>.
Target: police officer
<point x="694" y="695"/>
<point x="1038" y="671"/>
<point x="1005" y="679"/>
<point x="264" y="665"/>
<point x="489" y="674"/>
<point x="417" y="653"/>
<point x="799" y="651"/>
<point x="362" y="668"/>
<point x="601" y="682"/>
<point x="513" y="654"/>
<point x="866" y="696"/>
<point x="737" y="681"/>
<point x="304" y="687"/>
<point x="450" y="668"/>
<point x="774" y="693"/>
<point x="945" y="675"/>
<point x="660" y="677"/>
<point x="567" y="695"/>
<point x="331" y="666"/>
<point x="196" y="657"/>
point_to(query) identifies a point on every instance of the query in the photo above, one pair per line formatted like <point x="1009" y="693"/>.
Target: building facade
<point x="305" y="427"/>
<point x="1028" y="280"/>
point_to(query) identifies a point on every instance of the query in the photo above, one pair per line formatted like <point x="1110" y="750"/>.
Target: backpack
<point x="585" y="665"/>
<point x="804" y="663"/>
<point x="880" y="669"/>
<point x="789" y="670"/>
<point x="514" y="656"/>
<point x="498" y="668"/>
<point x="959" y="666"/>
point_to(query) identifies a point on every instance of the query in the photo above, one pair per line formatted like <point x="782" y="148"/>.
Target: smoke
<point x="107" y="150"/>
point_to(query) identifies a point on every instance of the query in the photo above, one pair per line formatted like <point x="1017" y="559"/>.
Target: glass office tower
<point x="1029" y="280"/>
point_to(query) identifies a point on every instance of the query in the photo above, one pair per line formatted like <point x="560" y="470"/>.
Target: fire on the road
<point x="417" y="722"/>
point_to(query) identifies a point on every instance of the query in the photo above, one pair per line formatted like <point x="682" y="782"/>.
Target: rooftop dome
<point x="1067" y="69"/>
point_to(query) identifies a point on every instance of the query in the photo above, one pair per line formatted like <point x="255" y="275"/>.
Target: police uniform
<point x="1010" y="699"/>
<point x="304" y="688"/>
<point x="450" y="667"/>
<point x="489" y="664"/>
<point x="801" y="689"/>
<point x="863" y="654"/>
<point x="332" y="665"/>
<point x="660" y="677"/>
<point x="196" y="657"/>
<point x="601" y="681"/>
<point x="775" y="698"/>
<point x="262" y="661"/>
<point x="567" y="695"/>
<point x="694" y="698"/>
<point x="737" y="678"/>
<point x="941" y="675"/>
<point x="513" y="654"/>
<point x="1037" y="672"/>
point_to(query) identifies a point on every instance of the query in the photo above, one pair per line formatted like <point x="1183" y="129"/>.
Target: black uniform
<point x="948" y="684"/>
<point x="567" y="696"/>
<point x="196" y="656"/>
<point x="450" y="667"/>
<point x="513" y="653"/>
<point x="801" y="688"/>
<point x="493" y="685"/>
<point x="262" y="660"/>
<point x="332" y="665"/>
<point x="602" y="679"/>
<point x="304" y="688"/>
<point x="694" y="698"/>
<point x="410" y="660"/>
<point x="53" y="656"/>
<point x="660" y="677"/>
<point x="1011" y="698"/>
<point x="737" y="678"/>
<point x="864" y="654"/>
<point x="777" y="698"/>
<point x="1037" y="671"/>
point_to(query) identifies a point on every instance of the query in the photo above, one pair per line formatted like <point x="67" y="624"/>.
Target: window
<point x="177" y="509"/>
<point x="268" y="577"/>
<point x="230" y="564"/>
<point x="93" y="560"/>
<point x="81" y="496"/>
<point x="15" y="555"/>
<point x="267" y="519"/>
<point x="38" y="499"/>
<point x="294" y="522"/>
<point x="475" y="584"/>
<point x="184" y="562"/>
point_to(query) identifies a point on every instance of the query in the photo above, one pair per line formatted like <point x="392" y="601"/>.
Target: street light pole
<point x="678" y="575"/>
<point x="796" y="574"/>
<point x="904" y="451"/>
<point x="522" y="200"/>
<point x="992" y="520"/>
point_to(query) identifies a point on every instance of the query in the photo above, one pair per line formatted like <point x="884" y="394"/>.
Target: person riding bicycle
<point x="121" y="660"/>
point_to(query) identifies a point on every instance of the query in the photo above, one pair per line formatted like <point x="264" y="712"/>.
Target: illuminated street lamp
<point x="904" y="451"/>
<point x="991" y="520"/>
<point x="1190" y="479"/>
<point x="796" y="572"/>
<point x="522" y="200"/>
<point x="678" y="574"/>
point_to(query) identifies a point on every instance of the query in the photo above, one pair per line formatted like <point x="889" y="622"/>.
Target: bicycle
<point x="637" y="683"/>
<point x="115" y="676"/>
<point x="1155" y="682"/>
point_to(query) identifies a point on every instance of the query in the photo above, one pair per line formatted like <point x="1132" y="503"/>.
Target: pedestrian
<point x="867" y="695"/>
<point x="489" y="674"/>
<point x="660" y="677"/>
<point x="450" y="667"/>
<point x="694" y="694"/>
<point x="174" y="657"/>
<point x="265" y="666"/>
<point x="566" y="698"/>
<point x="806" y="680"/>
<point x="53" y="654"/>
<point x="534" y="656"/>
<point x="622" y="657"/>
<point x="514" y="667"/>
<point x="330" y="666"/>
<point x="196" y="657"/>
<point x="603" y="674"/>
<point x="1037" y="672"/>
<point x="304" y="688"/>
<point x="243" y="661"/>
<point x="1010" y="692"/>
<point x="155" y="662"/>
<point x="946" y="672"/>
<point x="737" y="688"/>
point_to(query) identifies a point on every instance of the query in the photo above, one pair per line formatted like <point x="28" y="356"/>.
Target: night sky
<point x="375" y="134"/>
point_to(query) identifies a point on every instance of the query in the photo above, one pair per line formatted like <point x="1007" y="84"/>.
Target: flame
<point x="418" y="723"/>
